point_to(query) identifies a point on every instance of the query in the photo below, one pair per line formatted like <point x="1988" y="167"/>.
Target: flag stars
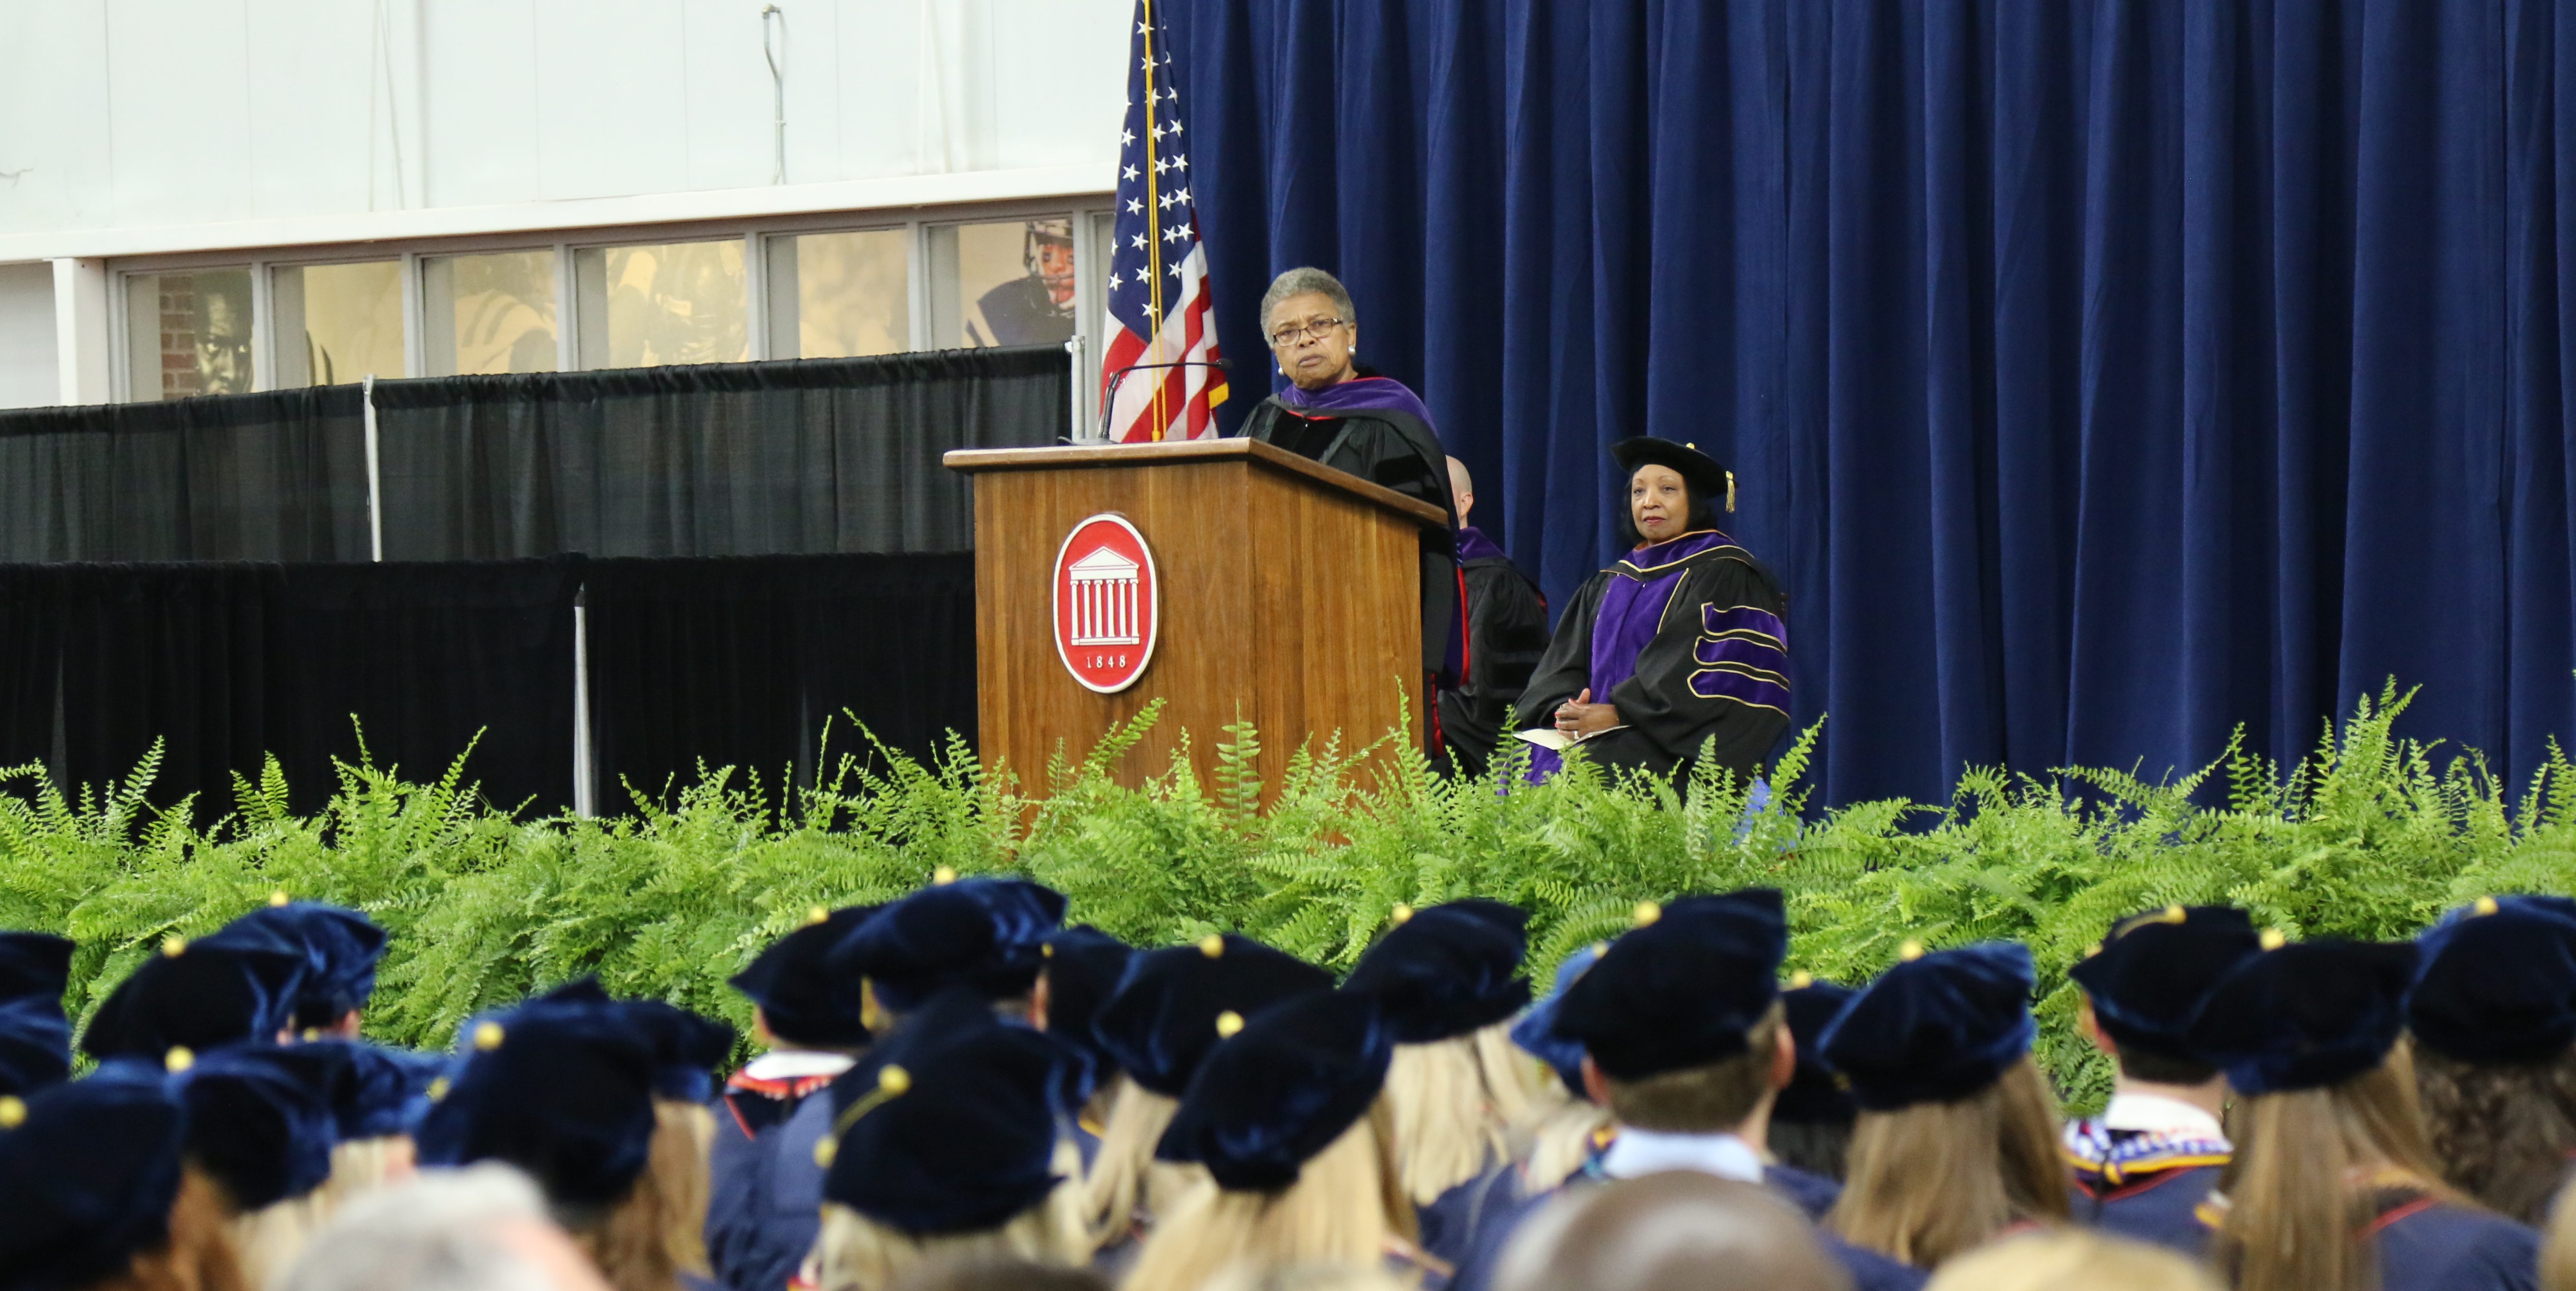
<point x="1128" y="173"/>
<point x="1135" y="206"/>
<point x="1140" y="241"/>
<point x="1126" y="137"/>
<point x="1161" y="166"/>
<point x="1176" y="271"/>
<point x="1143" y="275"/>
<point x="1166" y="200"/>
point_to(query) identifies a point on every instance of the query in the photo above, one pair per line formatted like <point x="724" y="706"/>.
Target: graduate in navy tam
<point x="1811" y="1122"/>
<point x="797" y="999"/>
<point x="688" y="1049"/>
<point x="949" y="1127"/>
<point x="196" y="997"/>
<point x="90" y="1175"/>
<point x="563" y="1091"/>
<point x="1684" y="989"/>
<point x="982" y="934"/>
<point x="35" y="1039"/>
<point x="1083" y="969"/>
<point x="2493" y="1012"/>
<point x="378" y="1088"/>
<point x="1447" y="979"/>
<point x="2326" y="1133"/>
<point x="260" y="1119"/>
<point x="1158" y="1026"/>
<point x="340" y="946"/>
<point x="1937" y="1053"/>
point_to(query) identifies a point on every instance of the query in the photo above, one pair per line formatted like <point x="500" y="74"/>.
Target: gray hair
<point x="1299" y="281"/>
<point x="439" y="1232"/>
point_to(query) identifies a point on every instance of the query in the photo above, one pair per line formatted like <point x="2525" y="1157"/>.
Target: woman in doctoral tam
<point x="1340" y="412"/>
<point x="1678" y="644"/>
<point x="2493" y="1013"/>
<point x="2332" y="1186"/>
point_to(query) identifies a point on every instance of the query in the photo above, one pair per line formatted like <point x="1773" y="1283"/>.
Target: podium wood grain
<point x="1290" y="599"/>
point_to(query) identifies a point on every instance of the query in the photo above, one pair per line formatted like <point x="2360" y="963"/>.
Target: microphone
<point x="1109" y="397"/>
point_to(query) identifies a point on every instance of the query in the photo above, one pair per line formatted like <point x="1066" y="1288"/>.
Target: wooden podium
<point x="1288" y="595"/>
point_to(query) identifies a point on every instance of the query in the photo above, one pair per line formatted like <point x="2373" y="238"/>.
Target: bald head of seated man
<point x="1674" y="1229"/>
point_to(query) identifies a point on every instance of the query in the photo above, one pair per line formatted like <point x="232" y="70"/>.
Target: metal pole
<point x="584" y="791"/>
<point x="777" y="87"/>
<point x="375" y="476"/>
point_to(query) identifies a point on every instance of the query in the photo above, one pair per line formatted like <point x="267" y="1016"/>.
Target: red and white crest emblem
<point x="1108" y="603"/>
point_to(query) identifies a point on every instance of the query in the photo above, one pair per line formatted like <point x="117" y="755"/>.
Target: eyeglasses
<point x="1295" y="332"/>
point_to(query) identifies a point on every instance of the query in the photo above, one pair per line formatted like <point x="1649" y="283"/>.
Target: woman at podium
<point x="1350" y="418"/>
<point x="1678" y="644"/>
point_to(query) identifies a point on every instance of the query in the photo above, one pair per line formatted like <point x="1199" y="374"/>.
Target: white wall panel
<point x="612" y="98"/>
<point x="1058" y="76"/>
<point x="178" y="109"/>
<point x="481" y="101"/>
<point x="728" y="101"/>
<point x="308" y="117"/>
<point x="29" y="377"/>
<point x="53" y="115"/>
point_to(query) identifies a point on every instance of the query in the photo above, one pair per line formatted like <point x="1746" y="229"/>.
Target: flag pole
<point x="1153" y="241"/>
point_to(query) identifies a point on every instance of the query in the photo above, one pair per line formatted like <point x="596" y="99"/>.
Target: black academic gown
<point x="1506" y="635"/>
<point x="1663" y="704"/>
<point x="1403" y="453"/>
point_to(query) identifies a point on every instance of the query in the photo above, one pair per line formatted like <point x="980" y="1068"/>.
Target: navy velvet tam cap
<point x="260" y="1119"/>
<point x="1083" y="969"/>
<point x="2152" y="970"/>
<point x="949" y="1125"/>
<point x="687" y="1049"/>
<point x="35" y="1039"/>
<point x="1934" y="1028"/>
<point x="1536" y="1032"/>
<point x="803" y="1002"/>
<point x="1280" y="1089"/>
<point x="1707" y="479"/>
<point x="1683" y="989"/>
<point x="1162" y="1020"/>
<point x="88" y="1172"/>
<point x="197" y="997"/>
<point x="1815" y="1094"/>
<point x="2305" y="1016"/>
<point x="983" y="934"/>
<point x="376" y="1088"/>
<point x="561" y="1090"/>
<point x="2496" y="981"/>
<point x="1447" y="970"/>
<point x="340" y="946"/>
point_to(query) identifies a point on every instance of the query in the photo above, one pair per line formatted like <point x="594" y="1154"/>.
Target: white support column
<point x="375" y="475"/>
<point x="84" y="336"/>
<point x="584" y="792"/>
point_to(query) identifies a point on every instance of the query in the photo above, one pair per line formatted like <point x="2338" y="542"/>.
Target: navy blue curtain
<point x="2100" y="375"/>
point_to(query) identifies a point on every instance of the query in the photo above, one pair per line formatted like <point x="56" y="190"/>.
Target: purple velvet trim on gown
<point x="1632" y="609"/>
<point x="1360" y="394"/>
<point x="1474" y="545"/>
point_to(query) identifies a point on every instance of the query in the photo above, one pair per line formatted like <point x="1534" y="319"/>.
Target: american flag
<point x="1158" y="271"/>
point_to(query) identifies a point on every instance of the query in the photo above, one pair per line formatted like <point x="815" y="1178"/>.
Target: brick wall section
<point x="179" y="375"/>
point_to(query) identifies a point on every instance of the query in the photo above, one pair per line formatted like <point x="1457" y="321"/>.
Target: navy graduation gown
<point x="765" y="1196"/>
<point x="2146" y="1185"/>
<point x="1814" y="1193"/>
<point x="2428" y="1246"/>
<point x="1449" y="1224"/>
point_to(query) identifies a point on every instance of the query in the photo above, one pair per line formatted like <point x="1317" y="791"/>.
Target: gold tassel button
<point x="179" y="1059"/>
<point x="824" y="1151"/>
<point x="817" y="915"/>
<point x="1800" y="981"/>
<point x="944" y="875"/>
<point x="1909" y="952"/>
<point x="2486" y="905"/>
<point x="1647" y="912"/>
<point x="174" y="945"/>
<point x="13" y="1111"/>
<point x="438" y="1089"/>
<point x="2273" y="939"/>
<point x="278" y="900"/>
<point x="1212" y="945"/>
<point x="1228" y="1024"/>
<point x="488" y="1036"/>
<point x="1401" y="912"/>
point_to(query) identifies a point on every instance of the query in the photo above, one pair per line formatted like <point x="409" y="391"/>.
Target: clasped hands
<point x="1579" y="716"/>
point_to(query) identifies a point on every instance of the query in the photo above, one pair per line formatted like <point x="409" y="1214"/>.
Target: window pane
<point x="839" y="295"/>
<point x="489" y="313"/>
<point x="643" y="307"/>
<point x="1008" y="282"/>
<point x="337" y="323"/>
<point x="188" y="333"/>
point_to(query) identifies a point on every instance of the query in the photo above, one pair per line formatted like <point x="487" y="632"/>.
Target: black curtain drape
<point x="824" y="455"/>
<point x="741" y="662"/>
<point x="186" y="654"/>
<point x="278" y="476"/>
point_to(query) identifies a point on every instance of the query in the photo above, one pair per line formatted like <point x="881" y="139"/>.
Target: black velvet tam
<point x="561" y="1090"/>
<point x="35" y="1039"/>
<point x="1083" y="969"/>
<point x="804" y="1002"/>
<point x="1683" y="989"/>
<point x="377" y="1088"/>
<point x="687" y="1049"/>
<point x="88" y="1171"/>
<point x="983" y="934"/>
<point x="341" y="948"/>
<point x="260" y="1118"/>
<point x="1536" y="1031"/>
<point x="1706" y="478"/>
<point x="197" y="997"/>
<point x="1934" y="1028"/>
<point x="2306" y="1016"/>
<point x="2153" y="969"/>
<point x="1281" y="1089"/>
<point x="1815" y="1095"/>
<point x="2496" y="981"/>
<point x="949" y="1125"/>
<point x="1162" y="1020"/>
<point x="1447" y="970"/>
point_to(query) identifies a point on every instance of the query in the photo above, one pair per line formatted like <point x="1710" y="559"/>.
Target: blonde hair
<point x="1346" y="1206"/>
<point x="1525" y="1090"/>
<point x="361" y="1166"/>
<point x="658" y="1230"/>
<point x="1447" y="1129"/>
<point x="2070" y="1257"/>
<point x="2558" y="1245"/>
<point x="856" y="1253"/>
<point x="2293" y="1208"/>
<point x="1929" y="1181"/>
<point x="198" y="1255"/>
<point x="1561" y="1144"/>
<point x="267" y="1240"/>
<point x="1124" y="1175"/>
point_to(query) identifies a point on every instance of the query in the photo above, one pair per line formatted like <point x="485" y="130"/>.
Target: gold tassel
<point x="1730" y="492"/>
